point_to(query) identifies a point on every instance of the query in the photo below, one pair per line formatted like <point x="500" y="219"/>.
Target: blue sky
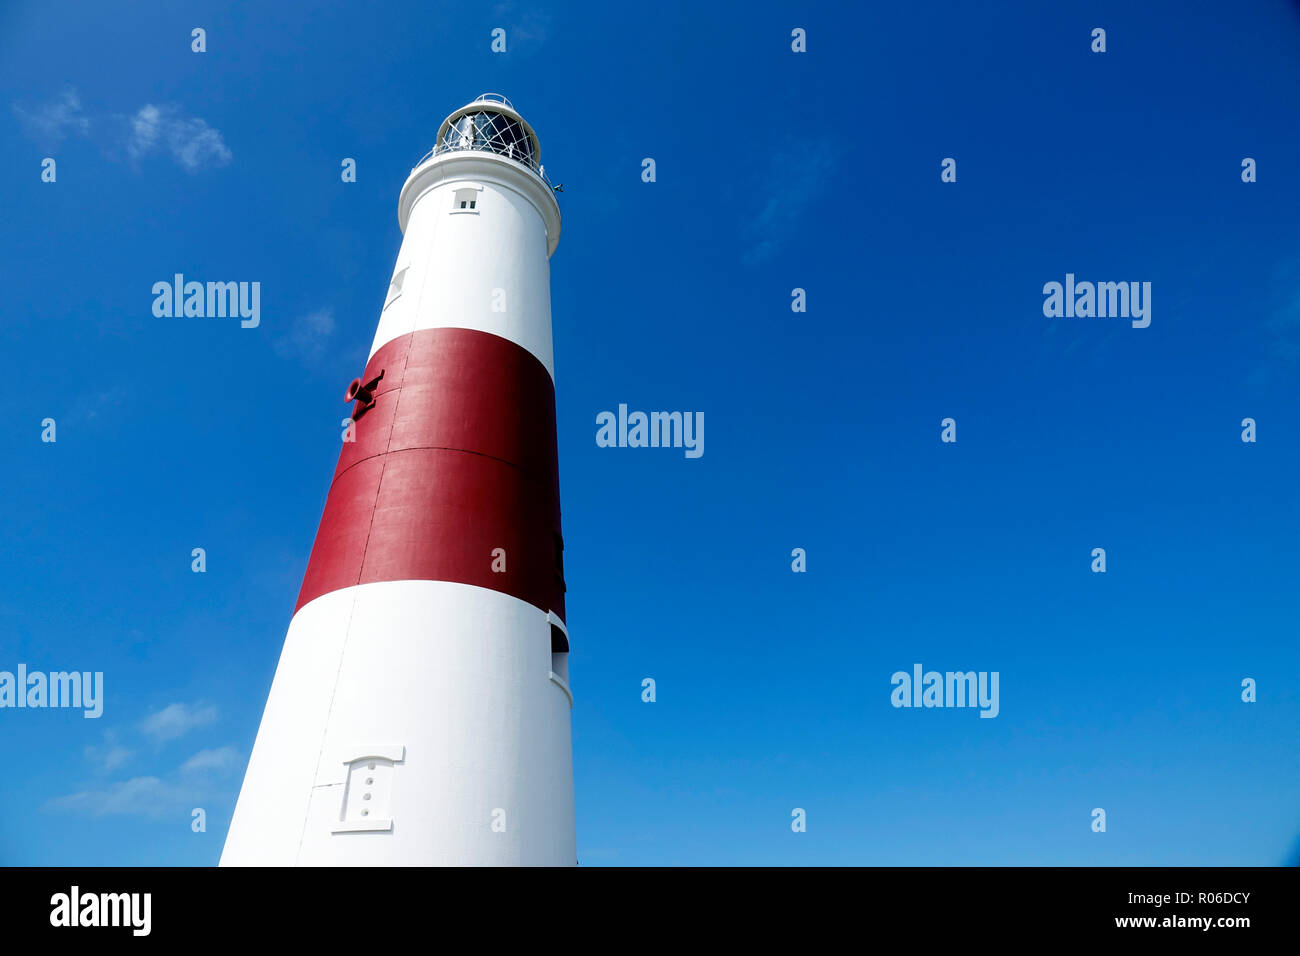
<point x="775" y="170"/>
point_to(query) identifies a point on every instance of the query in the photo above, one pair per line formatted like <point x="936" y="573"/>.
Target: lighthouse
<point x="420" y="710"/>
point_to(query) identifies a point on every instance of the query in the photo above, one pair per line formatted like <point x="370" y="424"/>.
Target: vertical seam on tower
<point x="388" y="447"/>
<point x="325" y="730"/>
<point x="347" y="633"/>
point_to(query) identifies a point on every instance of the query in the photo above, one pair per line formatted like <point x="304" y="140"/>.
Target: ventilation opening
<point x="367" y="793"/>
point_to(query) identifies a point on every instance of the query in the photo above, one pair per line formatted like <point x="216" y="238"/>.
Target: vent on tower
<point x="368" y="790"/>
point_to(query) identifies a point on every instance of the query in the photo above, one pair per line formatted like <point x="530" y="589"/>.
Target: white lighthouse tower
<point x="420" y="710"/>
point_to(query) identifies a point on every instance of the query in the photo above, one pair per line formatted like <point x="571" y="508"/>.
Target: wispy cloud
<point x="198" y="779"/>
<point x="176" y="720"/>
<point x="191" y="141"/>
<point x="308" y="338"/>
<point x="217" y="760"/>
<point x="150" y="130"/>
<point x="49" y="123"/>
<point x="1281" y="324"/>
<point x="528" y="30"/>
<point x="110" y="755"/>
<point x="1284" y="322"/>
<point x="139" y="796"/>
<point x="90" y="406"/>
<point x="793" y="181"/>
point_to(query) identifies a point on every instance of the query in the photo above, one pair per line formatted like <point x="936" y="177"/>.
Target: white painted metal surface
<point x="454" y="681"/>
<point x="486" y="268"/>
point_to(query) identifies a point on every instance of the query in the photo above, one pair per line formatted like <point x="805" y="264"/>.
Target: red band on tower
<point x="455" y="458"/>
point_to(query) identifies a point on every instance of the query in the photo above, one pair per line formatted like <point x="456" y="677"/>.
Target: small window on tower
<point x="465" y="200"/>
<point x="395" y="287"/>
<point x="559" y="561"/>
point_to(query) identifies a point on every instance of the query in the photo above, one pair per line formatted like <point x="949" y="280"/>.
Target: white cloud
<point x="197" y="780"/>
<point x="191" y="141"/>
<point x="1284" y="322"/>
<point x="176" y="720"/>
<point x="528" y="30"/>
<point x="139" y="796"/>
<point x="793" y="181"/>
<point x="110" y="755"/>
<point x="220" y="760"/>
<point x="90" y="406"/>
<point x="308" y="338"/>
<point x="50" y="123"/>
<point x="144" y="132"/>
<point x="1280" y="326"/>
<point x="200" y="778"/>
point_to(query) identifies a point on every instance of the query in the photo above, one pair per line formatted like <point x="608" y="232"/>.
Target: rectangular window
<point x="559" y="674"/>
<point x="395" y="287"/>
<point x="465" y="199"/>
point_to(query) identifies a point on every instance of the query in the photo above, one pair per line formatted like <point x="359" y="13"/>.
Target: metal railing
<point x="493" y="98"/>
<point x="450" y="142"/>
<point x="537" y="169"/>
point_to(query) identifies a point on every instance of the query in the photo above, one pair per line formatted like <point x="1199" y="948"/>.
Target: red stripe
<point x="457" y="457"/>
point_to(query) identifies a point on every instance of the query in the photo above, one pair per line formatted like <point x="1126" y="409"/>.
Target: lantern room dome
<point x="491" y="124"/>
